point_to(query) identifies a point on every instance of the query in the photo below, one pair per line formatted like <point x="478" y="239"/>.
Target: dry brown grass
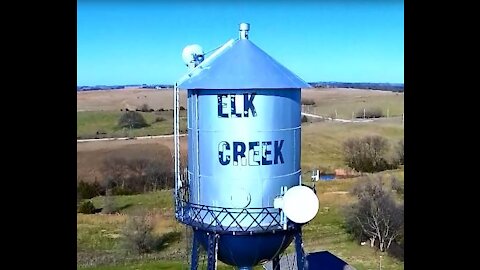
<point x="337" y="95"/>
<point x="165" y="223"/>
<point x="114" y="100"/>
<point x="90" y="155"/>
<point x="101" y="219"/>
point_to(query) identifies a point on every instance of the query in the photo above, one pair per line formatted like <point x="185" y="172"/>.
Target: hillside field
<point x="99" y="236"/>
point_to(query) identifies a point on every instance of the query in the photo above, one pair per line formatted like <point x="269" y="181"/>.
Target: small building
<point x="326" y="260"/>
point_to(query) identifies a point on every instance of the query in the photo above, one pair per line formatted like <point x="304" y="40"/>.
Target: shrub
<point x="86" y="207"/>
<point x="396" y="185"/>
<point x="109" y="204"/>
<point x="138" y="236"/>
<point x="182" y="108"/>
<point x="370" y="113"/>
<point x="366" y="154"/>
<point x="144" y="107"/>
<point x="89" y="190"/>
<point x="132" y="119"/>
<point x="304" y="119"/>
<point x="308" y="101"/>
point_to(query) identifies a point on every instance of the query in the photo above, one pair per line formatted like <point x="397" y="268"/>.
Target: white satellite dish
<point x="300" y="204"/>
<point x="193" y="55"/>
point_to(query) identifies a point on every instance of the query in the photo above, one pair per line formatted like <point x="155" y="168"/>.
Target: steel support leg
<point x="212" y="251"/>
<point x="195" y="246"/>
<point x="299" y="249"/>
<point x="276" y="263"/>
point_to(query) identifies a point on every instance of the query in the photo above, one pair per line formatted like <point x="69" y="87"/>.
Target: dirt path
<point x="338" y="119"/>
<point x="127" y="138"/>
<point x="168" y="136"/>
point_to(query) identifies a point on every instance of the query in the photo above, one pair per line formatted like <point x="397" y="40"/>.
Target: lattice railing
<point x="222" y="219"/>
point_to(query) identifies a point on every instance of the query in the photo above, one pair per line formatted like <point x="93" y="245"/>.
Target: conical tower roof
<point x="242" y="66"/>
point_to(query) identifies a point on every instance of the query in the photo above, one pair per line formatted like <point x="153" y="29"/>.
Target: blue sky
<point x="128" y="42"/>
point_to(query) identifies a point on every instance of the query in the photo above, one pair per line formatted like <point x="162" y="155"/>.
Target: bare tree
<point x="158" y="175"/>
<point x="131" y="172"/>
<point x="366" y="154"/>
<point x="376" y="214"/>
<point x="115" y="171"/>
<point x="137" y="169"/>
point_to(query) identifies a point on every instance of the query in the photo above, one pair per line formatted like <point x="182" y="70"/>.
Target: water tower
<point x="243" y="195"/>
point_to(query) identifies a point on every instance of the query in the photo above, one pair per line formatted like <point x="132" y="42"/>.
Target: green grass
<point x="155" y="265"/>
<point x="130" y="204"/>
<point x="321" y="146"/>
<point x="97" y="235"/>
<point x="325" y="232"/>
<point x="89" y="122"/>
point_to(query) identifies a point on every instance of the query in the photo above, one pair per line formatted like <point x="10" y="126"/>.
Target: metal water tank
<point x="244" y="143"/>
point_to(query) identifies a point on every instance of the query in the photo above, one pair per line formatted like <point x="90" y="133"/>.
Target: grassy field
<point x="321" y="146"/>
<point x="91" y="155"/>
<point x="91" y="122"/>
<point x="345" y="101"/>
<point x="99" y="236"/>
<point x="322" y="141"/>
<point x="99" y="111"/>
<point x="348" y="101"/>
<point x="151" y="265"/>
<point x="114" y="100"/>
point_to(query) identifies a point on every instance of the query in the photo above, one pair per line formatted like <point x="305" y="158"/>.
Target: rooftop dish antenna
<point x="193" y="55"/>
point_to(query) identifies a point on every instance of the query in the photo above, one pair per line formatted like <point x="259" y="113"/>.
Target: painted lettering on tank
<point x="236" y="106"/>
<point x="258" y="153"/>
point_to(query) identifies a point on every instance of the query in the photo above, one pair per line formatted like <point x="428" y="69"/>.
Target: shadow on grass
<point x="117" y="210"/>
<point x="165" y="240"/>
<point x="396" y="251"/>
<point x="123" y="207"/>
